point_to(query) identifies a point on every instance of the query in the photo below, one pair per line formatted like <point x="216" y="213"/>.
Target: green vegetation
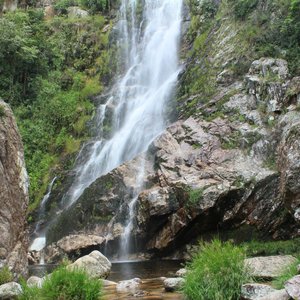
<point x="56" y="67"/>
<point x="64" y="284"/>
<point x="258" y="248"/>
<point x="194" y="196"/>
<point x="2" y="111"/>
<point x="5" y="275"/>
<point x="287" y="274"/>
<point x="216" y="272"/>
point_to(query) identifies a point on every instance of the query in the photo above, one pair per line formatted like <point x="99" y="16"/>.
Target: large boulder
<point x="95" y="264"/>
<point x="269" y="267"/>
<point x="72" y="246"/>
<point x="10" y="290"/>
<point x="13" y="194"/>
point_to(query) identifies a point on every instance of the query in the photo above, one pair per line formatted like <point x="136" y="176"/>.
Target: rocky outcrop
<point x="13" y="195"/>
<point x="207" y="173"/>
<point x="72" y="246"/>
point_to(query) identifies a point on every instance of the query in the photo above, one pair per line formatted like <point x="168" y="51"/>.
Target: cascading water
<point x="140" y="97"/>
<point x="149" y="43"/>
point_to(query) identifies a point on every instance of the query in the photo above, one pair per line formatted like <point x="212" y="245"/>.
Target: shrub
<point x="66" y="285"/>
<point x="5" y="275"/>
<point x="242" y="8"/>
<point x="216" y="272"/>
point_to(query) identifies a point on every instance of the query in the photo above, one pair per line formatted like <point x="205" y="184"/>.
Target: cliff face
<point x="13" y="195"/>
<point x="230" y="162"/>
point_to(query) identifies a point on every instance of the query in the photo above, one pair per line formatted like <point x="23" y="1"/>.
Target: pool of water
<point x="144" y="269"/>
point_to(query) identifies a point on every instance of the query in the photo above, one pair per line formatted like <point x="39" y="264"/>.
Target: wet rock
<point x="10" y="290"/>
<point x="14" y="195"/>
<point x="95" y="264"/>
<point x="181" y="272"/>
<point x="131" y="285"/>
<point x="292" y="287"/>
<point x="35" y="281"/>
<point x="173" y="284"/>
<point x="269" y="267"/>
<point x="254" y="291"/>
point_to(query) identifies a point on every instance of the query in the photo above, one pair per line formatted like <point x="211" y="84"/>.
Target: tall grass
<point x="63" y="284"/>
<point x="216" y="272"/>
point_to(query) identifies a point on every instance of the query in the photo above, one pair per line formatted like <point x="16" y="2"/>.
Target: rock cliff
<point x="13" y="195"/>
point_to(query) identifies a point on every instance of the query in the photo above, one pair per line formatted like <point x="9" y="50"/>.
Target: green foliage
<point x="195" y="195"/>
<point x="242" y="8"/>
<point x="64" y="284"/>
<point x="216" y="272"/>
<point x="257" y="248"/>
<point x="5" y="275"/>
<point x="2" y="111"/>
<point x="286" y="274"/>
<point x="96" y="5"/>
<point x="61" y="6"/>
<point x="55" y="68"/>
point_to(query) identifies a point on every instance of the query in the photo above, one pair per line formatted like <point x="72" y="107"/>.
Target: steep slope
<point x="13" y="195"/>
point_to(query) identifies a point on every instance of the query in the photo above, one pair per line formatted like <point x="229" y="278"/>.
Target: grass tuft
<point x="65" y="285"/>
<point x="5" y="275"/>
<point x="216" y="272"/>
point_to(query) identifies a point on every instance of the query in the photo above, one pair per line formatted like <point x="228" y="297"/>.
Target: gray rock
<point x="181" y="272"/>
<point x="35" y="281"/>
<point x="292" y="287"/>
<point x="95" y="264"/>
<point x="173" y="284"/>
<point x="269" y="267"/>
<point x="276" y="295"/>
<point x="253" y="291"/>
<point x="10" y="290"/>
<point x="127" y="286"/>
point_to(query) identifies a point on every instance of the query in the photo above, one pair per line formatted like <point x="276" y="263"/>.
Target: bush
<point x="66" y="285"/>
<point x="5" y="275"/>
<point x="216" y="272"/>
<point x="242" y="8"/>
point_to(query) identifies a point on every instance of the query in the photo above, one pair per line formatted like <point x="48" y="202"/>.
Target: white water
<point x="40" y="242"/>
<point x="150" y="58"/>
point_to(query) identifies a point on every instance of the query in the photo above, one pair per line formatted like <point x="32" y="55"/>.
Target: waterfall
<point x="40" y="242"/>
<point x="150" y="56"/>
<point x="149" y="40"/>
